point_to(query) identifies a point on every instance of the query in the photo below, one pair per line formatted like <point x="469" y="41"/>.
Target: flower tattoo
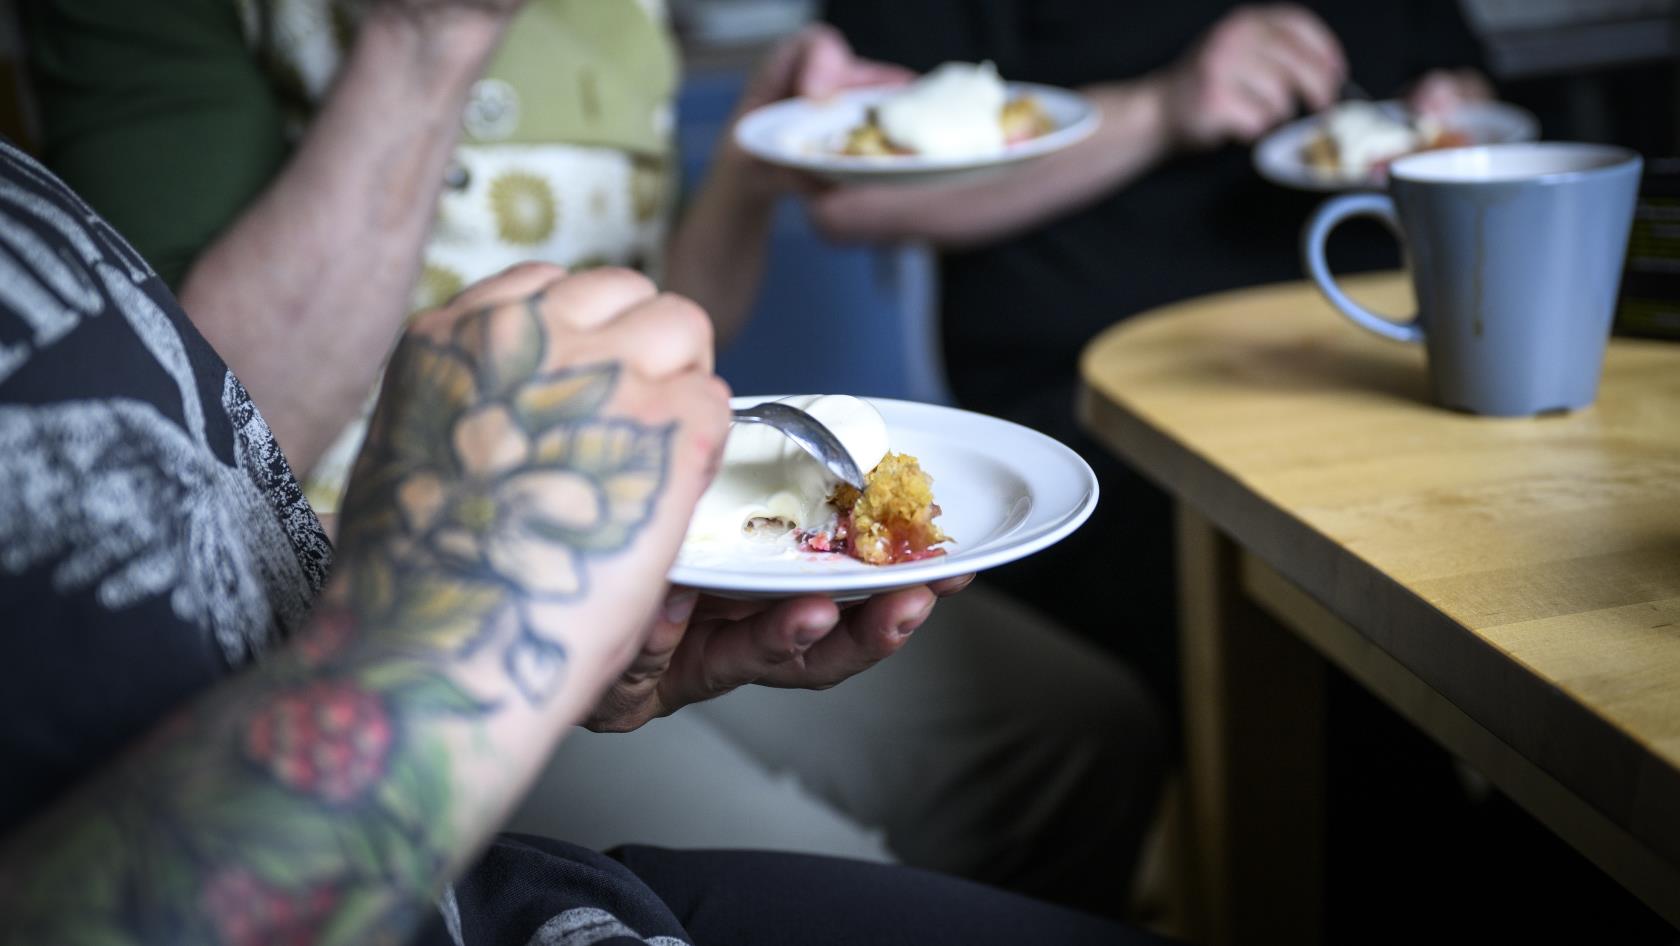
<point x="504" y="477"/>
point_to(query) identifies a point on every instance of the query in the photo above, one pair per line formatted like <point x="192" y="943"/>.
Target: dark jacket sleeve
<point x="920" y="34"/>
<point x="159" y="114"/>
<point x="1389" y="42"/>
<point x="1441" y="37"/>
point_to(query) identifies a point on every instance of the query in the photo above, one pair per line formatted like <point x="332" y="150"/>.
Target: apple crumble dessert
<point x="770" y="490"/>
<point x="1355" y="138"/>
<point x="958" y="110"/>
<point x="891" y="521"/>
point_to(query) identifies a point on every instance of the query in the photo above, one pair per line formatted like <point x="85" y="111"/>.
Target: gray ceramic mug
<point x="1516" y="257"/>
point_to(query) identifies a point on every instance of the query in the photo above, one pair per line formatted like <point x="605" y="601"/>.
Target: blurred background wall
<point x="862" y="320"/>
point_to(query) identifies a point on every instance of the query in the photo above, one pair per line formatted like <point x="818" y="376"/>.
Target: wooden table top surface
<point x="1527" y="569"/>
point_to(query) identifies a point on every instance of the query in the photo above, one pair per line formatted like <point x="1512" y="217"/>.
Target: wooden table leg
<point x="1254" y="819"/>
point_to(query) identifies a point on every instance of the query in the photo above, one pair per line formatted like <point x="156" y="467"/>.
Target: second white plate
<point x="1005" y="492"/>
<point x="1278" y="155"/>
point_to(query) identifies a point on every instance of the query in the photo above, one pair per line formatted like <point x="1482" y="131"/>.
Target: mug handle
<point x="1327" y="217"/>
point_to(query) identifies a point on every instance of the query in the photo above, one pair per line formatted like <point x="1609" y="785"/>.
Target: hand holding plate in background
<point x="908" y="134"/>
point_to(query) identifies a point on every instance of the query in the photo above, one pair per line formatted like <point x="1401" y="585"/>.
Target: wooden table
<point x="1510" y="586"/>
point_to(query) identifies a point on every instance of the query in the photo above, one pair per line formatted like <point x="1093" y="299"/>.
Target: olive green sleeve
<point x="159" y="114"/>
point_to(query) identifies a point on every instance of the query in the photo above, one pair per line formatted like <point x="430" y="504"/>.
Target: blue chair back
<point x="828" y="319"/>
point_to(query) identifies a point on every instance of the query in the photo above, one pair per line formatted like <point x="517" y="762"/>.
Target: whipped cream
<point x="766" y="476"/>
<point x="1365" y="135"/>
<point x="952" y="112"/>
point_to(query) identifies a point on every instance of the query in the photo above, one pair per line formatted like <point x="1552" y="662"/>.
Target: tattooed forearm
<point x="327" y="794"/>
<point x="310" y="802"/>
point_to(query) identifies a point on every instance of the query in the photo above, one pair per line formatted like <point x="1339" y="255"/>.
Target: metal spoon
<point x="809" y="433"/>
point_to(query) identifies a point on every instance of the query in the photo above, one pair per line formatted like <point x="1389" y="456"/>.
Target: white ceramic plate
<point x="1005" y="492"/>
<point x="1278" y="155"/>
<point x="807" y="135"/>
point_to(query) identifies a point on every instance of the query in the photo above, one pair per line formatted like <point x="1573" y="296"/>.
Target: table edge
<point x="1606" y="766"/>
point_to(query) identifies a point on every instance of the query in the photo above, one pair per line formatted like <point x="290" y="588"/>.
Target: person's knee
<point x="1112" y="719"/>
<point x="1058" y="691"/>
<point x="1095" y="700"/>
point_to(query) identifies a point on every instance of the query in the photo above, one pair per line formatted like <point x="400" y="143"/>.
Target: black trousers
<point x="536" y="890"/>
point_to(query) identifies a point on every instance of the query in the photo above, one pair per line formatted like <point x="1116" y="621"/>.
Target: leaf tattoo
<point x="502" y="487"/>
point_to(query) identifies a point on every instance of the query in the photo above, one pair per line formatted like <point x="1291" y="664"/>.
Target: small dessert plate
<point x="1277" y="157"/>
<point x="808" y="135"/>
<point x="1005" y="492"/>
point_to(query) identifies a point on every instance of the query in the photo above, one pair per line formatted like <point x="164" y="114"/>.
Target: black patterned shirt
<point x="152" y="537"/>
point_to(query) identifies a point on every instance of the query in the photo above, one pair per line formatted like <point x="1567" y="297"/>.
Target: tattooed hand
<point x="529" y="434"/>
<point x="702" y="647"/>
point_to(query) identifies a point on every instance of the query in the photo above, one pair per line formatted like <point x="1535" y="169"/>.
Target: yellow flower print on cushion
<point x="438" y="284"/>
<point x="525" y="207"/>
<point x="649" y="179"/>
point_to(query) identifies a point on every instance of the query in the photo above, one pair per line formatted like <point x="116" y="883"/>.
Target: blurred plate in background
<point x="808" y="135"/>
<point x="1278" y="156"/>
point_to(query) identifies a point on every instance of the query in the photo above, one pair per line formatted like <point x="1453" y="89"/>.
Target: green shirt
<point x="158" y="114"/>
<point x="171" y="117"/>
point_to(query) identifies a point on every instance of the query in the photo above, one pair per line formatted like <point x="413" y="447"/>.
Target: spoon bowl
<point x="809" y="433"/>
